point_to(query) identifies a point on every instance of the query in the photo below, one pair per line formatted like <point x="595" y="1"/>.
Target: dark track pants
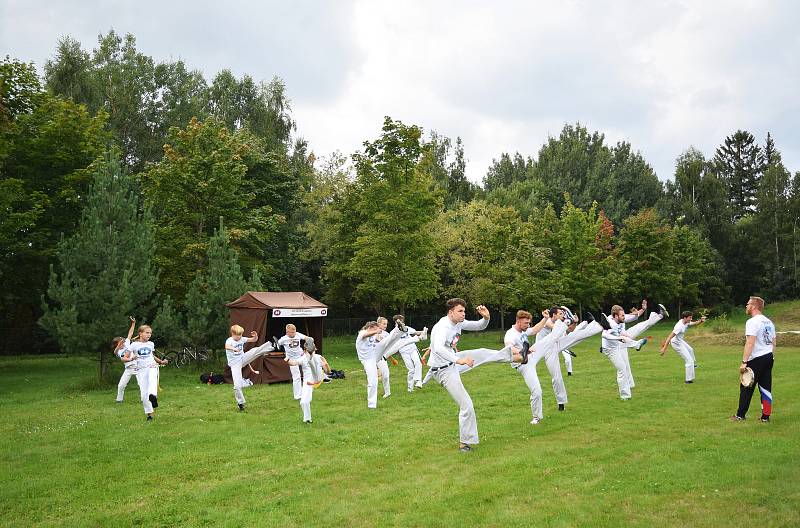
<point x="762" y="370"/>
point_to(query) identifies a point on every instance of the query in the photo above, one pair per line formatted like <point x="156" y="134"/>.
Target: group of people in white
<point x="556" y="331"/>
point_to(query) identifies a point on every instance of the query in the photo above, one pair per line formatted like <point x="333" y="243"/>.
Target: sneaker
<point x="275" y="342"/>
<point x="569" y="373"/>
<point x="689" y="381"/>
<point x="118" y="401"/>
<point x="241" y="407"/>
<point x="308" y="421"/>
<point x="663" y="310"/>
<point x="401" y="326"/>
<point x="569" y="318"/>
<point x="561" y="407"/>
<point x="424" y="335"/>
<point x="327" y="380"/>
<point x="535" y="421"/>
<point x="642" y="343"/>
<point x="465" y="449"/>
<point x="736" y="418"/>
<point x="765" y="419"/>
<point x="153" y="400"/>
<point x="588" y="317"/>
<point x="386" y="395"/>
<point x="524" y="352"/>
<point x="149" y="418"/>
<point x="410" y="389"/>
<point x="418" y="384"/>
<point x="604" y="322"/>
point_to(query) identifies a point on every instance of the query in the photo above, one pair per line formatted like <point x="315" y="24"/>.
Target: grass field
<point x="668" y="457"/>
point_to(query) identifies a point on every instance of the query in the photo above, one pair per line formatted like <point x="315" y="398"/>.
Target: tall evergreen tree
<point x="105" y="270"/>
<point x="507" y="170"/>
<point x="218" y="283"/>
<point x="739" y="161"/>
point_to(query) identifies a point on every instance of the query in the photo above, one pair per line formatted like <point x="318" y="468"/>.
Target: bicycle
<point x="187" y="355"/>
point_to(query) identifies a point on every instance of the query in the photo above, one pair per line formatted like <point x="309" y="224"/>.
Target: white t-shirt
<point x="121" y="353"/>
<point x="445" y="336"/>
<point x="515" y="338"/>
<point x="292" y="345"/>
<point x="616" y="330"/>
<point x="679" y="331"/>
<point x="364" y="347"/>
<point x="144" y="353"/>
<point x="238" y="346"/>
<point x="764" y="331"/>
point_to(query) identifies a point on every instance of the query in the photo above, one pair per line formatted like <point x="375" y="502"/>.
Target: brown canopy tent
<point x="268" y="313"/>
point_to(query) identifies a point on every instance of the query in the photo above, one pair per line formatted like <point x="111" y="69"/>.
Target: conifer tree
<point x="105" y="270"/>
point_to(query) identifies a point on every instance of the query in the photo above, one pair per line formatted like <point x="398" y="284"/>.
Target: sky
<point x="504" y="76"/>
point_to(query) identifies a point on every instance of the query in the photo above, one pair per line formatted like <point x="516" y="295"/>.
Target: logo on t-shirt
<point x="768" y="333"/>
<point x="453" y="343"/>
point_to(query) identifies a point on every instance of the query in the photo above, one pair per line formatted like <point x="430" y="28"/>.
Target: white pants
<point x="371" y="369"/>
<point x="297" y="381"/>
<point x="237" y="364"/>
<point x="311" y="373"/>
<point x="147" y="378"/>
<point x="383" y="366"/>
<point x="127" y="374"/>
<point x="618" y="360"/>
<point x="567" y="360"/>
<point x="634" y="332"/>
<point x="414" y="366"/>
<point x="450" y="379"/>
<point x="371" y="366"/>
<point x="686" y="352"/>
<point x="582" y="332"/>
<point x="548" y="349"/>
<point x="528" y="372"/>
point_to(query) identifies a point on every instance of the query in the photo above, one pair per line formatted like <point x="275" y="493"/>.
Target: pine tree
<point x="220" y="282"/>
<point x="105" y="270"/>
<point x="740" y="163"/>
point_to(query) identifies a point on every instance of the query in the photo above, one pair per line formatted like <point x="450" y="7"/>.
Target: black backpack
<point x="212" y="379"/>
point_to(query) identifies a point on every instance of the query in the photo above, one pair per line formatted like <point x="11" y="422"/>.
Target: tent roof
<point x="275" y="300"/>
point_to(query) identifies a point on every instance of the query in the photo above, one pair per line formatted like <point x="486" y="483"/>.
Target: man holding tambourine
<point x="757" y="361"/>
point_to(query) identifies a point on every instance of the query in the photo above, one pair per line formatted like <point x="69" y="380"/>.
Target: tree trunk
<point x="103" y="367"/>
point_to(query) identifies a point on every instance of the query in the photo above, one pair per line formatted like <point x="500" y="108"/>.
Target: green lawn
<point x="668" y="457"/>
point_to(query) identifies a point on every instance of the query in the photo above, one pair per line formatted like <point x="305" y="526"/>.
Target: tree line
<point x="130" y="186"/>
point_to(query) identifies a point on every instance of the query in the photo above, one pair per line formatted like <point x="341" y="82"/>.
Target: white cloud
<point x="662" y="75"/>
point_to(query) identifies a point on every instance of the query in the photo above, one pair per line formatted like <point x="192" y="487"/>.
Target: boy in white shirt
<point x="679" y="344"/>
<point x="291" y="345"/>
<point x="238" y="358"/>
<point x="410" y="354"/>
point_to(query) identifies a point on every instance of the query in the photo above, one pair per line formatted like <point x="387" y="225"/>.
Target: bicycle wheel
<point x="188" y="355"/>
<point x="172" y="357"/>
